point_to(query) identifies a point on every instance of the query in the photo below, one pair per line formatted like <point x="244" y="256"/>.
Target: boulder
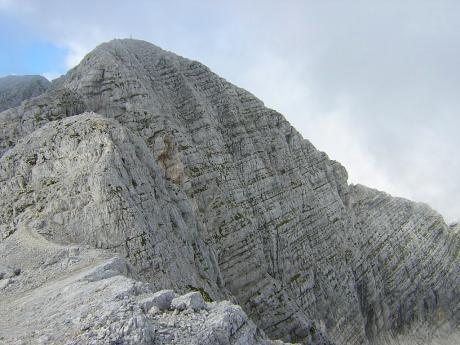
<point x="192" y="300"/>
<point x="161" y="299"/>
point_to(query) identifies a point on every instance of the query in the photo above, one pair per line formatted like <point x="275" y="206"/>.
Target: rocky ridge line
<point x="265" y="219"/>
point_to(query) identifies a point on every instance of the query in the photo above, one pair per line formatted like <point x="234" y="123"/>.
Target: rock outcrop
<point x="407" y="266"/>
<point x="96" y="303"/>
<point x="15" y="89"/>
<point x="88" y="180"/>
<point x="203" y="188"/>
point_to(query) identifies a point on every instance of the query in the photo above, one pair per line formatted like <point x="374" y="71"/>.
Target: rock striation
<point x="202" y="188"/>
<point x="15" y="89"/>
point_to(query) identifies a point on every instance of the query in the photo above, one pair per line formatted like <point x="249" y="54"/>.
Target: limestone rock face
<point x="15" y="89"/>
<point x="88" y="180"/>
<point x="201" y="187"/>
<point x="15" y="123"/>
<point x="405" y="250"/>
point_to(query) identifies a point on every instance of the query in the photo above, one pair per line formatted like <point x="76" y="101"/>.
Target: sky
<point x="375" y="84"/>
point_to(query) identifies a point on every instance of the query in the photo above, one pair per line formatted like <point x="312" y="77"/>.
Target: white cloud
<point x="76" y="53"/>
<point x="17" y="6"/>
<point x="51" y="75"/>
<point x="333" y="130"/>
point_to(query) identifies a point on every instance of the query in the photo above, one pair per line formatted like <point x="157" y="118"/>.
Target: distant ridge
<point x="15" y="89"/>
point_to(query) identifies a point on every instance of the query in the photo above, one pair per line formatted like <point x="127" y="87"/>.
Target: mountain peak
<point x="202" y="188"/>
<point x="128" y="48"/>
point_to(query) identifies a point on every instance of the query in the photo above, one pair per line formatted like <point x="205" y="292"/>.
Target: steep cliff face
<point x="15" y="89"/>
<point x="86" y="182"/>
<point x="407" y="265"/>
<point x="226" y="197"/>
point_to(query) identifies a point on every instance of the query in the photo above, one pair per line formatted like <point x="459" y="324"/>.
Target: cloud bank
<point x="374" y="84"/>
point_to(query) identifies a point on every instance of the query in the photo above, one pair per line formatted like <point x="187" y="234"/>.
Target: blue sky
<point x="22" y="52"/>
<point x="374" y="84"/>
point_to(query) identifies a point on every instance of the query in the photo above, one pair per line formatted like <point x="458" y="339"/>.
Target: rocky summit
<point x="146" y="200"/>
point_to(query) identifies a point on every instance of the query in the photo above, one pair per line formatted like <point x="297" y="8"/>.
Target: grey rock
<point x="70" y="309"/>
<point x="113" y="267"/>
<point x="405" y="250"/>
<point x="33" y="113"/>
<point x="161" y="300"/>
<point x="9" y="272"/>
<point x="106" y="192"/>
<point x="192" y="300"/>
<point x="4" y="283"/>
<point x="202" y="187"/>
<point x="15" y="89"/>
<point x="225" y="323"/>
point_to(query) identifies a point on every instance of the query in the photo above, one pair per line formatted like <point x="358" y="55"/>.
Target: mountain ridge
<point x="276" y="227"/>
<point x="14" y="89"/>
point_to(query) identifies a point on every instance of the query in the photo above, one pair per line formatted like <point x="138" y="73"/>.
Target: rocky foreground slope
<point x="201" y="188"/>
<point x="75" y="295"/>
